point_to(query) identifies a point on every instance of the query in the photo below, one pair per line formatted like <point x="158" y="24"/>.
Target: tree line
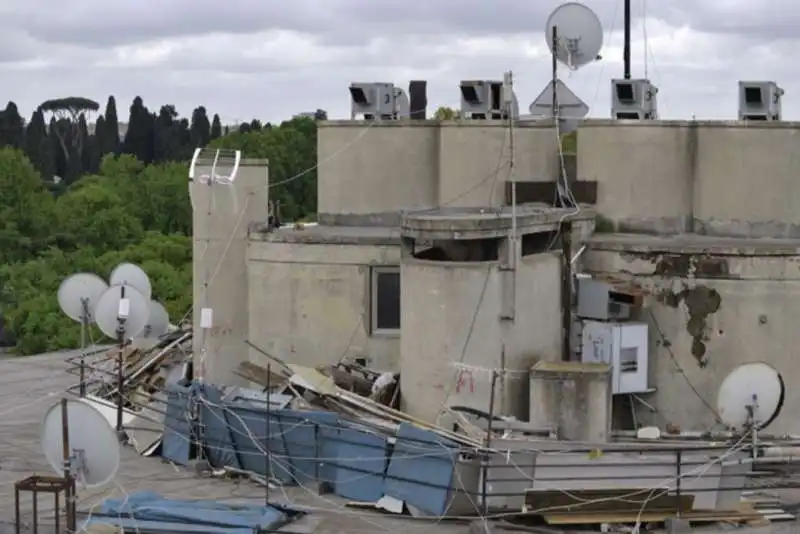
<point x="79" y="195"/>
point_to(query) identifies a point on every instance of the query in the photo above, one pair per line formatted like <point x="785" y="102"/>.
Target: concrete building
<point x="699" y="214"/>
<point x="397" y="201"/>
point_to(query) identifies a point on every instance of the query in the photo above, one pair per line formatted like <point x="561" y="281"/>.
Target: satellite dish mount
<point x="78" y="296"/>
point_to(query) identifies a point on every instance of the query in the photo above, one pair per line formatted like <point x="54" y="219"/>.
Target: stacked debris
<point x="148" y="365"/>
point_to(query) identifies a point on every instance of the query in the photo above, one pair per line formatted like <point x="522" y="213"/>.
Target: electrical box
<point x="634" y="99"/>
<point x="624" y="347"/>
<point x="378" y="101"/>
<point x="484" y="99"/>
<point x="602" y="301"/>
<point x="759" y="101"/>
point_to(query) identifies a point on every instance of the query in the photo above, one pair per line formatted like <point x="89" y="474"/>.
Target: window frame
<point x="374" y="273"/>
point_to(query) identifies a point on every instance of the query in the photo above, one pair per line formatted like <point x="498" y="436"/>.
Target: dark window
<point x="385" y="299"/>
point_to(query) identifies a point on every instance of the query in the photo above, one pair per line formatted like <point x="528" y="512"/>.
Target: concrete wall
<point x="310" y="302"/>
<point x="453" y="336"/>
<point x="221" y="222"/>
<point x="383" y="167"/>
<point x="717" y="178"/>
<point x="718" y="306"/>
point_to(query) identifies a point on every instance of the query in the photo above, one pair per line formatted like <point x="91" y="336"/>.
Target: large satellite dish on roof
<point x="131" y="275"/>
<point x="122" y="312"/>
<point x="157" y="321"/>
<point x="78" y="295"/>
<point x="579" y="35"/>
<point x="751" y="396"/>
<point x="92" y="449"/>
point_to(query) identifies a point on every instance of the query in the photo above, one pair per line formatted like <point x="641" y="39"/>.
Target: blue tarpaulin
<point x="305" y="446"/>
<point x="147" y="511"/>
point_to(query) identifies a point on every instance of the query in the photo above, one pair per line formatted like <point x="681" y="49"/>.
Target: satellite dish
<point x="579" y="32"/>
<point x="157" y="321"/>
<point x="132" y="275"/>
<point x="751" y="396"/>
<point x="78" y="295"/>
<point x="111" y="314"/>
<point x="93" y="445"/>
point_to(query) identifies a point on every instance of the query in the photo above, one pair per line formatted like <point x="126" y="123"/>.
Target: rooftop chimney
<point x="418" y="99"/>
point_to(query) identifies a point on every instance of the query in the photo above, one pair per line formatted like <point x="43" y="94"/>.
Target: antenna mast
<point x="626" y="49"/>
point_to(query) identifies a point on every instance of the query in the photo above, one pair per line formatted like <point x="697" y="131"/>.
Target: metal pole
<point x="566" y="290"/>
<point x="67" y="454"/>
<point x="487" y="454"/>
<point x="626" y="49"/>
<point x="84" y="326"/>
<point x="512" y="250"/>
<point x="266" y="436"/>
<point x="677" y="482"/>
<point x="120" y="370"/>
<point x="555" y="72"/>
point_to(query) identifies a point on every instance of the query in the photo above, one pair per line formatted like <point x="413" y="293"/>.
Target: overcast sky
<point x="270" y="59"/>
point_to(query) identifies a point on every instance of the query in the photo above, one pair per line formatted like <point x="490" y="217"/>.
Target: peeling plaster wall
<point x="709" y="313"/>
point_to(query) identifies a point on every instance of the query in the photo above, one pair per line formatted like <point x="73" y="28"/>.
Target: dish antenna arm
<point x="85" y="320"/>
<point x="554" y="81"/>
<point x="122" y="316"/>
<point x="68" y="465"/>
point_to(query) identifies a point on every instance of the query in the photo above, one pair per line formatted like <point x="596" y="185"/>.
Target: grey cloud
<point x="101" y="23"/>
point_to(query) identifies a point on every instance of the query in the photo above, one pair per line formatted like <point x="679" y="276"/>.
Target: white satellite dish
<point x="122" y="307"/>
<point x="751" y="396"/>
<point x="78" y="295"/>
<point x="579" y="33"/>
<point x="157" y="321"/>
<point x="132" y="275"/>
<point x="93" y="445"/>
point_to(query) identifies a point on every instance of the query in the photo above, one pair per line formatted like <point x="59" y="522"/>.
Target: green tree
<point x="68" y="125"/>
<point x="108" y="137"/>
<point x="291" y="149"/>
<point x="38" y="147"/>
<point x="26" y="208"/>
<point x="139" y="137"/>
<point x="216" y="128"/>
<point x="200" y="129"/>
<point x="12" y="127"/>
<point x="444" y="113"/>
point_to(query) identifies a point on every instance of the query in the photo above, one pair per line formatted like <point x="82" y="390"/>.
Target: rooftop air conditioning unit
<point x="483" y="99"/>
<point x="378" y="101"/>
<point x="634" y="100"/>
<point x="759" y="101"/>
<point x="624" y="347"/>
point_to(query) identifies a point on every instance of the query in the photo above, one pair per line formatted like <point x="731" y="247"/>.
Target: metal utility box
<point x="634" y="99"/>
<point x="599" y="299"/>
<point x="759" y="101"/>
<point x="624" y="347"/>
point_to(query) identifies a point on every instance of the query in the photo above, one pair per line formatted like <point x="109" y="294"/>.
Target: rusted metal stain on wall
<point x="701" y="302"/>
<point x="691" y="265"/>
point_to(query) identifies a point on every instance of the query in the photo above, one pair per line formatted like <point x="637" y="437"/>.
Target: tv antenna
<point x="80" y="446"/>
<point x="78" y="295"/>
<point x="750" y="398"/>
<point x="574" y="36"/>
<point x="122" y="313"/>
